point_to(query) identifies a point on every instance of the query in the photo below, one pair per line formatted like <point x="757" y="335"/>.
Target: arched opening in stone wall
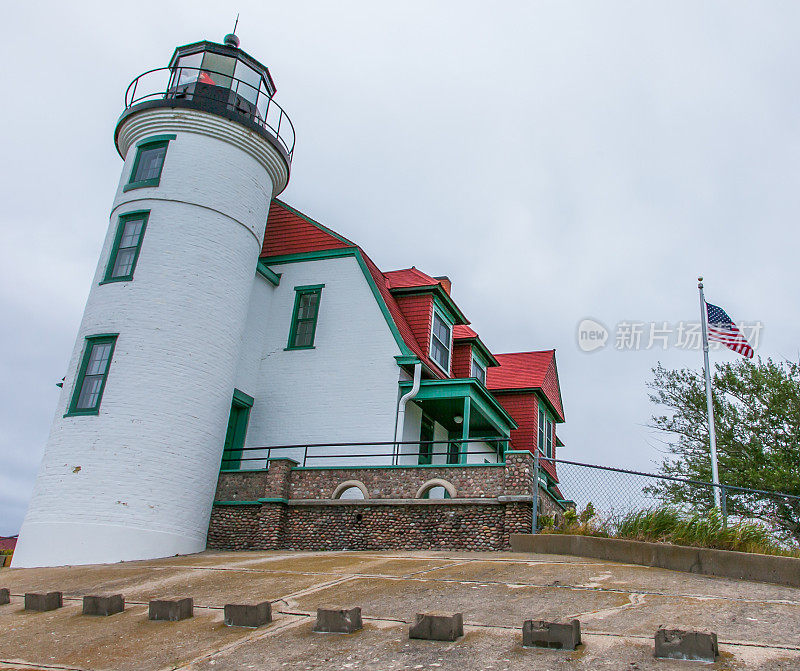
<point x="351" y="490"/>
<point x="436" y="489"/>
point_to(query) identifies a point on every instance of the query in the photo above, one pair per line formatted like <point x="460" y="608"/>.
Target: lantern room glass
<point x="212" y="69"/>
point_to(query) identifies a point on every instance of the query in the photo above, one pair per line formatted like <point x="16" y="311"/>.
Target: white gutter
<point x="401" y="408"/>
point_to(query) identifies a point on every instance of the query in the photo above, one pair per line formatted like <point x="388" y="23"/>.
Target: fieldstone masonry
<point x="288" y="507"/>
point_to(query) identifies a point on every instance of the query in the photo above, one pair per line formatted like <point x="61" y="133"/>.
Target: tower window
<point x="92" y="374"/>
<point x="149" y="162"/>
<point x="440" y="341"/>
<point x="304" y="318"/>
<point x="127" y="244"/>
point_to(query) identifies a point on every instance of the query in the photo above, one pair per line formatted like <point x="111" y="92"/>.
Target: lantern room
<point x="220" y="79"/>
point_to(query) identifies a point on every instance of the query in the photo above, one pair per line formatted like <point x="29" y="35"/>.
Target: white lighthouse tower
<point x="132" y="459"/>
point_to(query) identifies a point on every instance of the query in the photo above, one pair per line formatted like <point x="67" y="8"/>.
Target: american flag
<point x="722" y="329"/>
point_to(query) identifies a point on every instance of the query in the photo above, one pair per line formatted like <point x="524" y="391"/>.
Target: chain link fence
<point x="610" y="496"/>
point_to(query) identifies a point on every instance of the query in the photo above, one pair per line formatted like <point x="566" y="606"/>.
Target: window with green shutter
<point x="304" y="317"/>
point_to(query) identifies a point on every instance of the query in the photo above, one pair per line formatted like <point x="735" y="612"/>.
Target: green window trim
<point x="477" y="367"/>
<point x="124" y="220"/>
<point x="151" y="144"/>
<point x="303" y="328"/>
<point x="437" y="346"/>
<point x="98" y="351"/>
<point x="545" y="432"/>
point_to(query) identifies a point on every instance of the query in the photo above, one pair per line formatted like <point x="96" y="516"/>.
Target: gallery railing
<point x="218" y="92"/>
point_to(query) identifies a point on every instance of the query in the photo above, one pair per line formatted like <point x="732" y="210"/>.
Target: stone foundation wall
<point x="365" y="526"/>
<point x="287" y="507"/>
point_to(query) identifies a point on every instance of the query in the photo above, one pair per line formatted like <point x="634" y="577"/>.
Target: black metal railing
<point x="389" y="451"/>
<point x="215" y="90"/>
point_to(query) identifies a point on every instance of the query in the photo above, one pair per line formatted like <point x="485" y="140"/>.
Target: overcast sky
<point x="556" y="160"/>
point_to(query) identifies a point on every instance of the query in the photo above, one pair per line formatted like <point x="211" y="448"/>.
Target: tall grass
<point x="705" y="530"/>
<point x="669" y="525"/>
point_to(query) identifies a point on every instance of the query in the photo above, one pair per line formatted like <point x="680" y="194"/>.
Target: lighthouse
<point x="133" y="455"/>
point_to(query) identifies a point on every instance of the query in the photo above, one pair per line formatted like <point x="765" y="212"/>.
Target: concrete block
<point x="248" y="615"/>
<point x="42" y="602"/>
<point x="336" y="620"/>
<point x="171" y="610"/>
<point x="103" y="605"/>
<point x="680" y="644"/>
<point x="5" y="596"/>
<point x="437" y="626"/>
<point x="558" y="635"/>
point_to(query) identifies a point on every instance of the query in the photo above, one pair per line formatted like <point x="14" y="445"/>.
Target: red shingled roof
<point x="463" y="332"/>
<point x="289" y="232"/>
<point x="409" y="277"/>
<point x="528" y="370"/>
<point x="8" y="542"/>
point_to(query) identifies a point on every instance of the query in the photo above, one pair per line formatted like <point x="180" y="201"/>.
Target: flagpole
<point x="709" y="400"/>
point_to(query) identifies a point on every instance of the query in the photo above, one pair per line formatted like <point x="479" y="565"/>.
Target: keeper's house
<point x="244" y="376"/>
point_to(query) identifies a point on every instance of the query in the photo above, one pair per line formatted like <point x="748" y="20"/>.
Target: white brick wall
<point x="138" y="480"/>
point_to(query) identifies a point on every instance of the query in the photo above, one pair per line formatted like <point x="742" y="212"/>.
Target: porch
<point x="455" y="421"/>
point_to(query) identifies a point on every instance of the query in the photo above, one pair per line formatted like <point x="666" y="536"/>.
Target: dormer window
<point x="441" y="341"/>
<point x="546" y="430"/>
<point x="478" y="370"/>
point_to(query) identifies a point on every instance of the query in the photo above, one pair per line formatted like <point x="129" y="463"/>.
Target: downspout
<point x="401" y="410"/>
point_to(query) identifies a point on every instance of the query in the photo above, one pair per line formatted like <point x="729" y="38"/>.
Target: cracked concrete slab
<point x="491" y="604"/>
<point x="605" y="575"/>
<point x="620" y="607"/>
<point x="386" y="646"/>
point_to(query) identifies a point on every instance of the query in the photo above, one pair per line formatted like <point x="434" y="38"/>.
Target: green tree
<point x="757" y="418"/>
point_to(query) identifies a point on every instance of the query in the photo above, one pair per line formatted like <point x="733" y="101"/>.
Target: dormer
<point x="430" y="312"/>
